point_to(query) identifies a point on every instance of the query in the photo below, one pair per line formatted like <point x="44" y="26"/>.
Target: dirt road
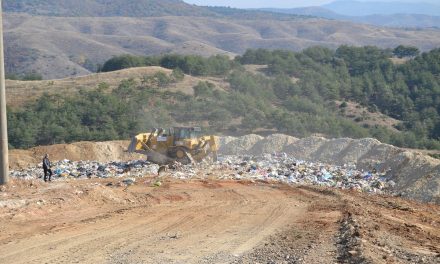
<point x="102" y="221"/>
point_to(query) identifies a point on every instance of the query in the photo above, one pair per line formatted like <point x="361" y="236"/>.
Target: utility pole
<point x="4" y="159"/>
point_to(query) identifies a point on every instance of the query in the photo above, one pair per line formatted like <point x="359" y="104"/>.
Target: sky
<point x="281" y="3"/>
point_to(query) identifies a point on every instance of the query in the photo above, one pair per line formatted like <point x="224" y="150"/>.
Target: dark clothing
<point x="46" y="168"/>
<point x="45" y="174"/>
<point x="46" y="163"/>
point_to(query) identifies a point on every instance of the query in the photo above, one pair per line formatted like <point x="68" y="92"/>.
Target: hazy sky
<point x="281" y="3"/>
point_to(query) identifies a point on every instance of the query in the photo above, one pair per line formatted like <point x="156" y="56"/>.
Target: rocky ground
<point x="249" y="207"/>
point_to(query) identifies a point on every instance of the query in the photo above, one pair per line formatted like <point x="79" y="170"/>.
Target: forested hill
<point x="100" y="8"/>
<point x="297" y="93"/>
<point x="132" y="8"/>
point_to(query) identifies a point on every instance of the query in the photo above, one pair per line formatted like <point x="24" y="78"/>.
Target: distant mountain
<point x="356" y="8"/>
<point x="400" y="20"/>
<point x="396" y="20"/>
<point x="315" y="11"/>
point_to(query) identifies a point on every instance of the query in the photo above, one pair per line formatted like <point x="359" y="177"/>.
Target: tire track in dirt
<point x="222" y="222"/>
<point x="309" y="238"/>
<point x="229" y="219"/>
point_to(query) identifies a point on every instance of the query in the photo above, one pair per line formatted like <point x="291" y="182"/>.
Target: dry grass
<point x="399" y="61"/>
<point x="262" y="69"/>
<point x="256" y="69"/>
<point x="21" y="92"/>
<point x="362" y="116"/>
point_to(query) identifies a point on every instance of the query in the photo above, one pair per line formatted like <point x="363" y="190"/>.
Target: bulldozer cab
<point x="182" y="133"/>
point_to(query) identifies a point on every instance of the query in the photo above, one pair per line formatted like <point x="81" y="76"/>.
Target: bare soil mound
<point x="97" y="151"/>
<point x="305" y="147"/>
<point x="241" y="145"/>
<point x="272" y="143"/>
<point x="330" y="150"/>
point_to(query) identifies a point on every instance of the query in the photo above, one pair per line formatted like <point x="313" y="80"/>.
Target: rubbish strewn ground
<point x="279" y="168"/>
<point x="210" y="221"/>
<point x="267" y="200"/>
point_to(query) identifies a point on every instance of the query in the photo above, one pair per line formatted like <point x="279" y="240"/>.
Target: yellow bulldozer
<point x="182" y="144"/>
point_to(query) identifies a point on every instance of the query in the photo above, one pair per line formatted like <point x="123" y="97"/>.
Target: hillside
<point x="71" y="86"/>
<point x="99" y="8"/>
<point x="59" y="47"/>
<point x="132" y="8"/>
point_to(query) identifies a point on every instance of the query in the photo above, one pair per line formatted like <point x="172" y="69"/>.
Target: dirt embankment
<point x="97" y="151"/>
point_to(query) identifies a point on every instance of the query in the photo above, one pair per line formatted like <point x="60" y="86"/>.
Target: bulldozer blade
<point x="189" y="158"/>
<point x="156" y="157"/>
<point x="152" y="156"/>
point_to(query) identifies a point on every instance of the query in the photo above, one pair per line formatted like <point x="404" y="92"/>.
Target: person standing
<point x="47" y="168"/>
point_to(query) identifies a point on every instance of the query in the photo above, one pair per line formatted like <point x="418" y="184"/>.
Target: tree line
<point x="189" y="64"/>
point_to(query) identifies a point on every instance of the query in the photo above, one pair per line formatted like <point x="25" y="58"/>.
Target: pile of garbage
<point x="268" y="167"/>
<point x="90" y="169"/>
<point x="284" y="168"/>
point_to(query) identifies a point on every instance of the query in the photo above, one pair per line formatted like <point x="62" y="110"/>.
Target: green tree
<point x="122" y="62"/>
<point x="402" y="51"/>
<point x="203" y="89"/>
<point x="177" y="75"/>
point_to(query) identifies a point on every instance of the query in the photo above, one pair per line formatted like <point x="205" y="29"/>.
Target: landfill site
<point x="274" y="199"/>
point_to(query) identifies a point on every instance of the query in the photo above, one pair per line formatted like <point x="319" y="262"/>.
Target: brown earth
<point x="59" y="47"/>
<point x="96" y="151"/>
<point x="103" y="221"/>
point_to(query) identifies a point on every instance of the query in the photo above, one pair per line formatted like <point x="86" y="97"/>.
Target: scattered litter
<point x="278" y="167"/>
<point x="91" y="169"/>
<point x="129" y="181"/>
